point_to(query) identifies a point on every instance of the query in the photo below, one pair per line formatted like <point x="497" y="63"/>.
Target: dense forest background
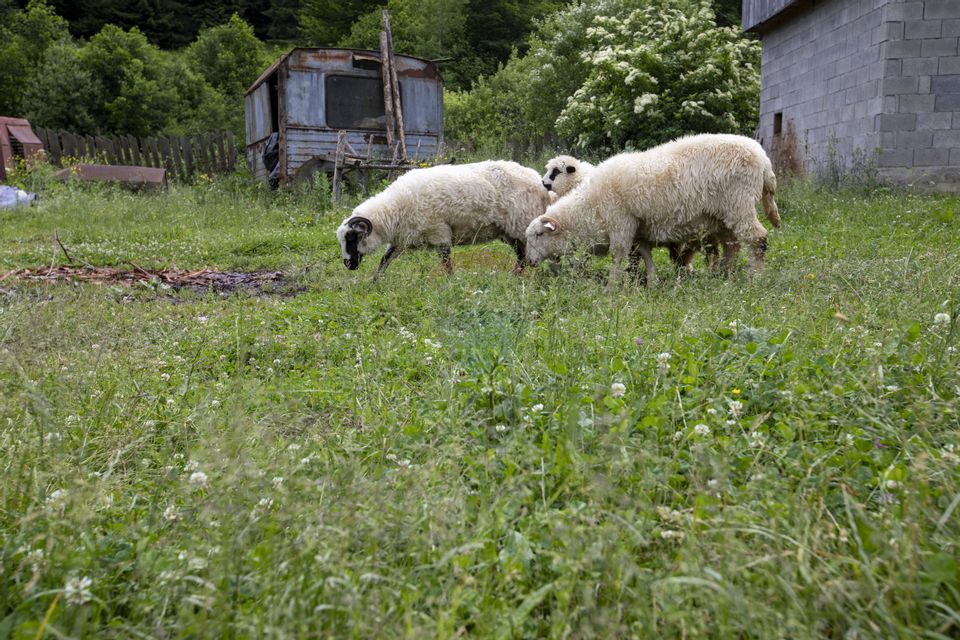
<point x="170" y="66"/>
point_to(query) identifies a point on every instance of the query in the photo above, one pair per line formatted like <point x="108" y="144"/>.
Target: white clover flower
<point x="214" y="403"/>
<point x="584" y="421"/>
<point x="849" y="439"/>
<point x="678" y="435"/>
<point x="756" y="439"/>
<point x="191" y="465"/>
<point x="76" y="591"/>
<point x="701" y="429"/>
<point x="171" y="514"/>
<point x="36" y="559"/>
<point x="537" y="408"/>
<point x="170" y="402"/>
<point x="198" y="478"/>
<point x="712" y="411"/>
<point x="663" y="360"/>
<point x="500" y="428"/>
<point x="618" y="389"/>
<point x="670" y="534"/>
<point x="404" y="463"/>
<point x="941" y="318"/>
<point x="713" y="483"/>
<point x="891" y="484"/>
<point x="735" y="407"/>
<point x="202" y="319"/>
<point x="276" y="362"/>
<point x="277" y="482"/>
<point x="165" y="377"/>
<point x="57" y="498"/>
<point x="265" y="503"/>
<point x="306" y="460"/>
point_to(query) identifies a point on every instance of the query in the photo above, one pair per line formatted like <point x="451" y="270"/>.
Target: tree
<point x="228" y="56"/>
<point x="663" y="70"/>
<point x="431" y="29"/>
<point x="324" y="23"/>
<point x="60" y="94"/>
<point x="22" y="45"/>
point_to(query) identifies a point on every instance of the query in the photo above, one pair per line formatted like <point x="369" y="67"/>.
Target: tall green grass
<point x="484" y="455"/>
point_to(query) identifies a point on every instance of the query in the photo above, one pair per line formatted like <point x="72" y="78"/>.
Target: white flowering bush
<point x="663" y="70"/>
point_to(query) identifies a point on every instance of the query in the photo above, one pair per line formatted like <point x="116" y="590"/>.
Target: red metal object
<point x="16" y="140"/>
<point x="133" y="177"/>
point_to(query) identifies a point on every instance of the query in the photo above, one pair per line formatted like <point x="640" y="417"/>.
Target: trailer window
<point x="354" y="103"/>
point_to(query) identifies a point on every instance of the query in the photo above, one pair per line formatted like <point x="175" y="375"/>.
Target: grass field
<point x="481" y="455"/>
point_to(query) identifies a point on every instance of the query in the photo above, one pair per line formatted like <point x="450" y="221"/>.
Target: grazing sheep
<point x="444" y="206"/>
<point x="692" y="188"/>
<point x="565" y="173"/>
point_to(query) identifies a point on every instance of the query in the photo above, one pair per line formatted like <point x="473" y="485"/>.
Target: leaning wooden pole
<point x="385" y="60"/>
<point x="395" y="90"/>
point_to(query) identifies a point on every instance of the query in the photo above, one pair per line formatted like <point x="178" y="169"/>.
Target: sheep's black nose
<point x="548" y="187"/>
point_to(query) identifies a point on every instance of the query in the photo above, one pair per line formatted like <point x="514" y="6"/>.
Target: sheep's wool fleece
<point x="456" y="204"/>
<point x="671" y="186"/>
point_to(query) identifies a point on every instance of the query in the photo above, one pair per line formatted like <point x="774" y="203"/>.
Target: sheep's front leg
<point x="520" y="248"/>
<point x="441" y="237"/>
<point x="621" y="244"/>
<point x="387" y="258"/>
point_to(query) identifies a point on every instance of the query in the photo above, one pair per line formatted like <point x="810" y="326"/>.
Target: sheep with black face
<point x="564" y="173"/>
<point x="443" y="206"/>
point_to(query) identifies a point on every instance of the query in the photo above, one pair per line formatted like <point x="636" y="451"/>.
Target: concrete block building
<point x="861" y="85"/>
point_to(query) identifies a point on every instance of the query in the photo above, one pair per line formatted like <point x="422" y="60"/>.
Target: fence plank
<point x="231" y="153"/>
<point x="201" y="151"/>
<point x="164" y="144"/>
<point x="221" y="149"/>
<point x="177" y="156"/>
<point x="188" y="166"/>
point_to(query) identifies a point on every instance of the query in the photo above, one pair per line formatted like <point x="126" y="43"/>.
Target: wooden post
<point x="338" y="165"/>
<point x="385" y="60"/>
<point x="395" y="89"/>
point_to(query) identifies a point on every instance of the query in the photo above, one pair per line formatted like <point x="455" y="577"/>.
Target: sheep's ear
<point x="360" y="224"/>
<point x="571" y="169"/>
<point x="549" y="224"/>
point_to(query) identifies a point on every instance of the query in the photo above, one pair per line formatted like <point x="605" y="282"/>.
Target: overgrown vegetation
<point x="484" y="455"/>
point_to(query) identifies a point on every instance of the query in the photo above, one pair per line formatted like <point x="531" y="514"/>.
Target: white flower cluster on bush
<point x="660" y="71"/>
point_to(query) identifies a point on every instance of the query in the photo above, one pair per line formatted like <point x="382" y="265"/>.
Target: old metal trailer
<point x="310" y="95"/>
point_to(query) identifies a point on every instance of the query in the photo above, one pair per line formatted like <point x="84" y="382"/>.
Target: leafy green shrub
<point x="662" y="71"/>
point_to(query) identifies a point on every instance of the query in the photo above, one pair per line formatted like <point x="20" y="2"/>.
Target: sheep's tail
<point x="769" y="188"/>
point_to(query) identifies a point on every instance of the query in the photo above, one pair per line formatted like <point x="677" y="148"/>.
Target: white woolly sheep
<point x="692" y="188"/>
<point x="565" y="173"/>
<point x="443" y="206"/>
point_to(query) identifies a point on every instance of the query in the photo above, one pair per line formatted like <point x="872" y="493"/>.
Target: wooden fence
<point x="182" y="156"/>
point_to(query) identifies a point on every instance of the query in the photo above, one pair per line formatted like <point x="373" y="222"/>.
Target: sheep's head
<point x="352" y="235"/>
<point x="545" y="239"/>
<point x="563" y="174"/>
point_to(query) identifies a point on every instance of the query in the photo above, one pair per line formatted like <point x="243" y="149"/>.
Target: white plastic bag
<point x="11" y="197"/>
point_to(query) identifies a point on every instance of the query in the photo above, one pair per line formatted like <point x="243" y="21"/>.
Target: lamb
<point x="565" y="173"/>
<point x="443" y="206"/>
<point x="691" y="188"/>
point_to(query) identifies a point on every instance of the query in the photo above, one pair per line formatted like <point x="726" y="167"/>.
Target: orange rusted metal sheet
<point x="17" y="140"/>
<point x="133" y="177"/>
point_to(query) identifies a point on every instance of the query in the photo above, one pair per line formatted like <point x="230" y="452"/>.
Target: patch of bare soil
<point x="201" y="281"/>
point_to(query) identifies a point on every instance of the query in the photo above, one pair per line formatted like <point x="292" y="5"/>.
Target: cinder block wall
<point x="847" y="82"/>
<point x="919" y="123"/>
<point x="821" y="74"/>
